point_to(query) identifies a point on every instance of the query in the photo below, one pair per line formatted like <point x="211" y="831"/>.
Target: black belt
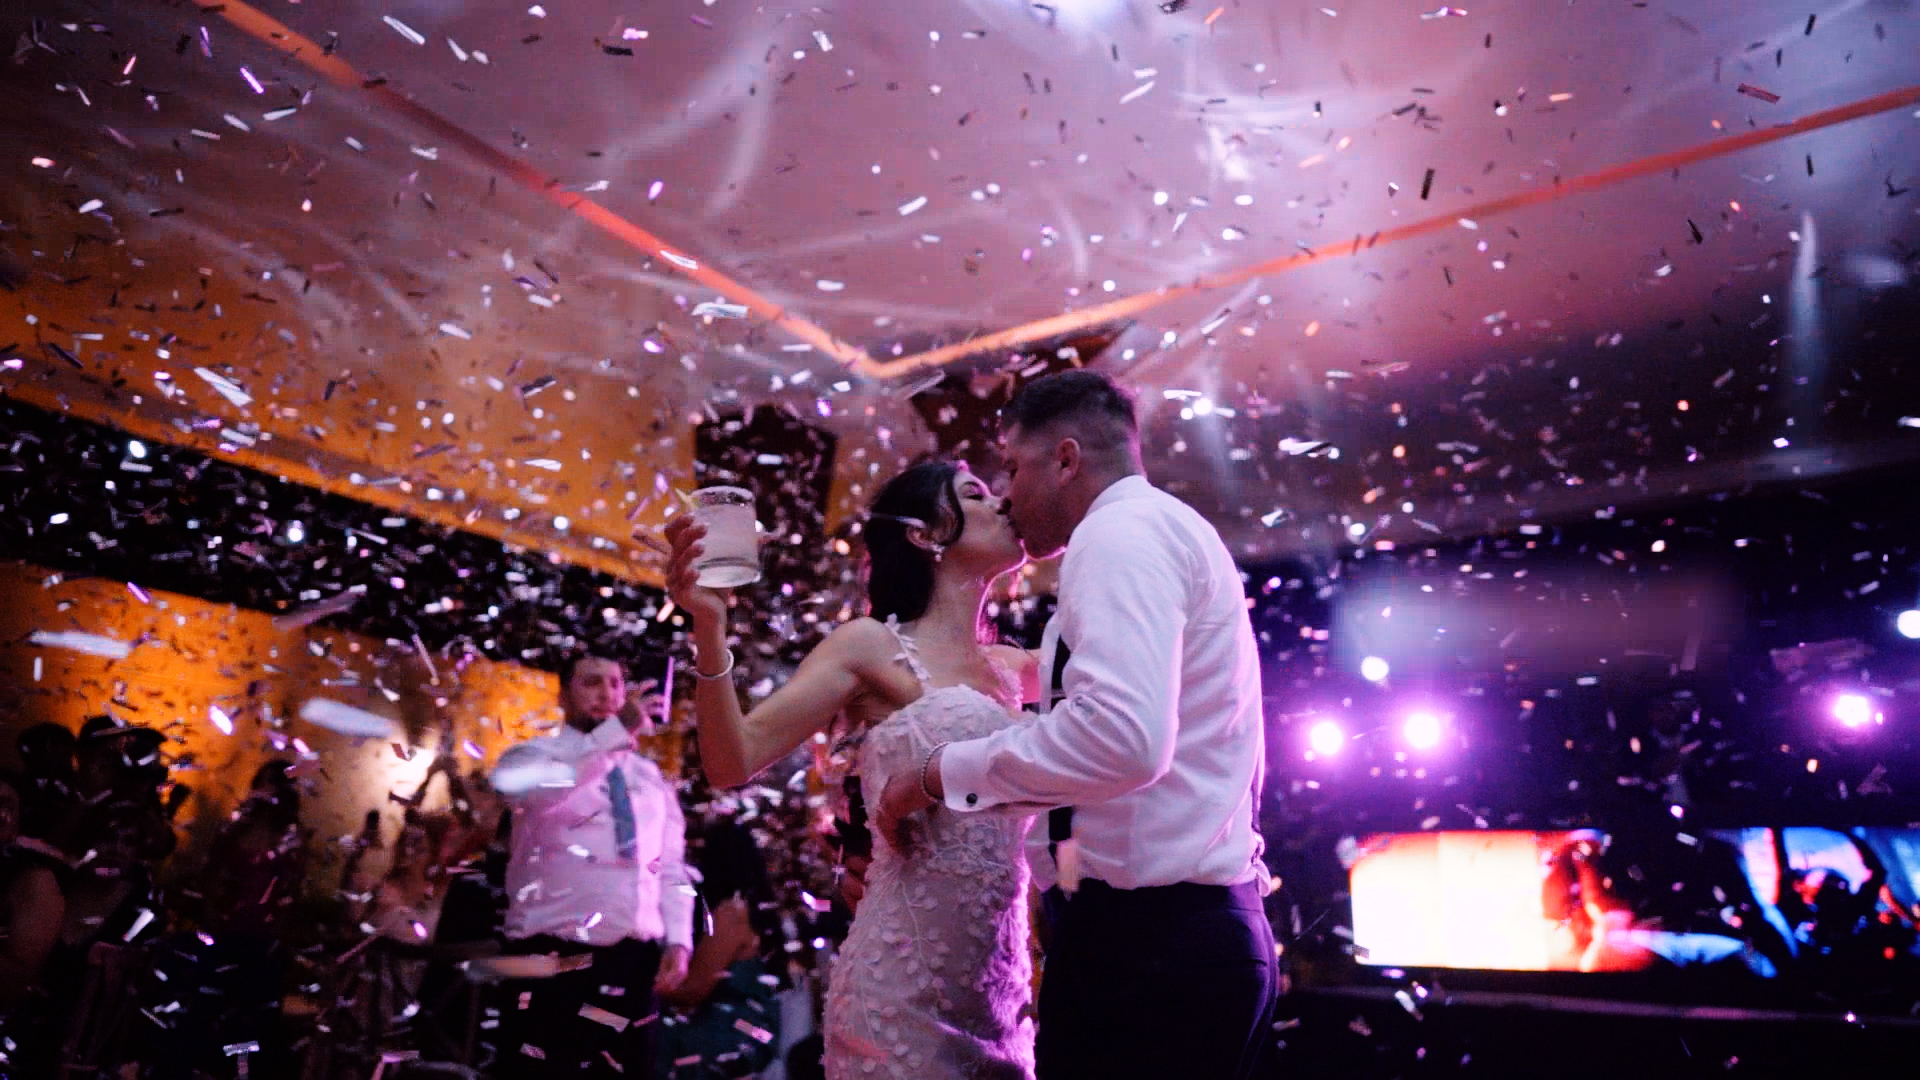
<point x="1180" y="893"/>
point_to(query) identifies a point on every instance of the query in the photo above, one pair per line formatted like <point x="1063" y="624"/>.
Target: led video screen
<point x="1764" y="900"/>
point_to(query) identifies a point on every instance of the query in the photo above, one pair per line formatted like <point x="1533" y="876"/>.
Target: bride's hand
<point x="898" y="803"/>
<point x="853" y="882"/>
<point x="684" y="548"/>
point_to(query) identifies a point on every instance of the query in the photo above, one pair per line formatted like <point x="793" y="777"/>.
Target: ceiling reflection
<point x="412" y="278"/>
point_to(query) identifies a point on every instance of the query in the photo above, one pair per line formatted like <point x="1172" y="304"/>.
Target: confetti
<point x="404" y="30"/>
<point x="72" y="641"/>
<point x="602" y="1016"/>
<point x="346" y="719"/>
<point x="226" y="387"/>
<point x="307" y="616"/>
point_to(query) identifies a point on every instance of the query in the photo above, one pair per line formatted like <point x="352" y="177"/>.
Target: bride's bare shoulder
<point x="861" y="641"/>
<point x="1023" y="663"/>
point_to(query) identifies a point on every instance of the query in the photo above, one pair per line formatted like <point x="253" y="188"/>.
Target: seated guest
<point x="51" y="809"/>
<point x="114" y="909"/>
<point x="429" y="856"/>
<point x="259" y="858"/>
<point x="33" y="883"/>
<point x="405" y="904"/>
<point x="120" y="764"/>
<point x="731" y="1021"/>
<point x="113" y="881"/>
<point x="33" y="889"/>
<point x="224" y="985"/>
<point x="596" y="882"/>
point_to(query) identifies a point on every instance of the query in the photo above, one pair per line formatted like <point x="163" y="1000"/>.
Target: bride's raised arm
<point x="736" y="746"/>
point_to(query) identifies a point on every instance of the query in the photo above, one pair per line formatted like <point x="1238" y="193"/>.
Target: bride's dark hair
<point x="900" y="572"/>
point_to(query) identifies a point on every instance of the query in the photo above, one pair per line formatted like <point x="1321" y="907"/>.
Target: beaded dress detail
<point x="934" y="980"/>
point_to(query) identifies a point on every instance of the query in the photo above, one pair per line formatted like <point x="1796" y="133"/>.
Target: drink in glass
<point x="731" y="548"/>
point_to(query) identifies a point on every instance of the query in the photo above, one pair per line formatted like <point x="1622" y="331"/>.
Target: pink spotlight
<point x="1326" y="738"/>
<point x="1422" y="730"/>
<point x="1854" y="710"/>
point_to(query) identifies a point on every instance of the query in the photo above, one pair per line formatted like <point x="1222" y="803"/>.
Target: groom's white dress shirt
<point x="1157" y="743"/>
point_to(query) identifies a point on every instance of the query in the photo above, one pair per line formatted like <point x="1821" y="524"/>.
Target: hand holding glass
<point x="730" y="554"/>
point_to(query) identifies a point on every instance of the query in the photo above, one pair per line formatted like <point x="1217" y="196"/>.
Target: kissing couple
<point x="1144" y="759"/>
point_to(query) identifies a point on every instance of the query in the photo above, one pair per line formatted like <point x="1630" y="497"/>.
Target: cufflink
<point x="972" y="799"/>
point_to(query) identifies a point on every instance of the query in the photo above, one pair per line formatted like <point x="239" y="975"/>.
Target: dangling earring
<point x="938" y="551"/>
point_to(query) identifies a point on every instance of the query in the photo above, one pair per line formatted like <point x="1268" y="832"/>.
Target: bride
<point x="934" y="978"/>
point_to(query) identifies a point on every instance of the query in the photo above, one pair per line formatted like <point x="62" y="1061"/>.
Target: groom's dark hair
<point x="1086" y="404"/>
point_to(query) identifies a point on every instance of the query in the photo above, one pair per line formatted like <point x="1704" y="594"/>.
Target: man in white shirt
<point x="597" y="881"/>
<point x="1147" y="760"/>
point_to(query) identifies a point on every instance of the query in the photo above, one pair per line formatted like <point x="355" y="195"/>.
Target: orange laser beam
<point x="280" y="37"/>
<point x="1129" y="306"/>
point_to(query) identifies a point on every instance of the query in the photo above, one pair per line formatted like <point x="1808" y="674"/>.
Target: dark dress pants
<point x="595" y="1022"/>
<point x="1172" y="981"/>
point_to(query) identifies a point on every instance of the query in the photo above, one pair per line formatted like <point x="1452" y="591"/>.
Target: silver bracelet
<point x="721" y="674"/>
<point x="925" y="764"/>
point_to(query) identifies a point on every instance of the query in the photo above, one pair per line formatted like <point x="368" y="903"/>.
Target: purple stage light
<point x="1326" y="738"/>
<point x="1422" y="730"/>
<point x="1855" y="710"/>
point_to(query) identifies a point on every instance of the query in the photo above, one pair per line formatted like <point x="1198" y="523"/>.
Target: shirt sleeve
<point x="1113" y="731"/>
<point x="676" y="885"/>
<point x="526" y="773"/>
<point x="541" y="772"/>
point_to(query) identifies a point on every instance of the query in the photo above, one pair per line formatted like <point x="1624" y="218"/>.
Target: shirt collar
<point x="1127" y="487"/>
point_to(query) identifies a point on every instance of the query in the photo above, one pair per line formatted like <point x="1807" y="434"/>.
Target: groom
<point x="1147" y="759"/>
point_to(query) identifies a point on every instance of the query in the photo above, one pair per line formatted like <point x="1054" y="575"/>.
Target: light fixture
<point x="1422" y="730"/>
<point x="1374" y="669"/>
<point x="1855" y="710"/>
<point x="1326" y="738"/>
<point x="1908" y="623"/>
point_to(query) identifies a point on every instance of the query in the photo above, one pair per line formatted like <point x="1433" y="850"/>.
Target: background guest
<point x="597" y="881"/>
<point x="227" y="981"/>
<point x="728" y="1022"/>
<point x="50" y="801"/>
<point x="32" y="886"/>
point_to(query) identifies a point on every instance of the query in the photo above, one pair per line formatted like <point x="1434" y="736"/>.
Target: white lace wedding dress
<point x="934" y="979"/>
